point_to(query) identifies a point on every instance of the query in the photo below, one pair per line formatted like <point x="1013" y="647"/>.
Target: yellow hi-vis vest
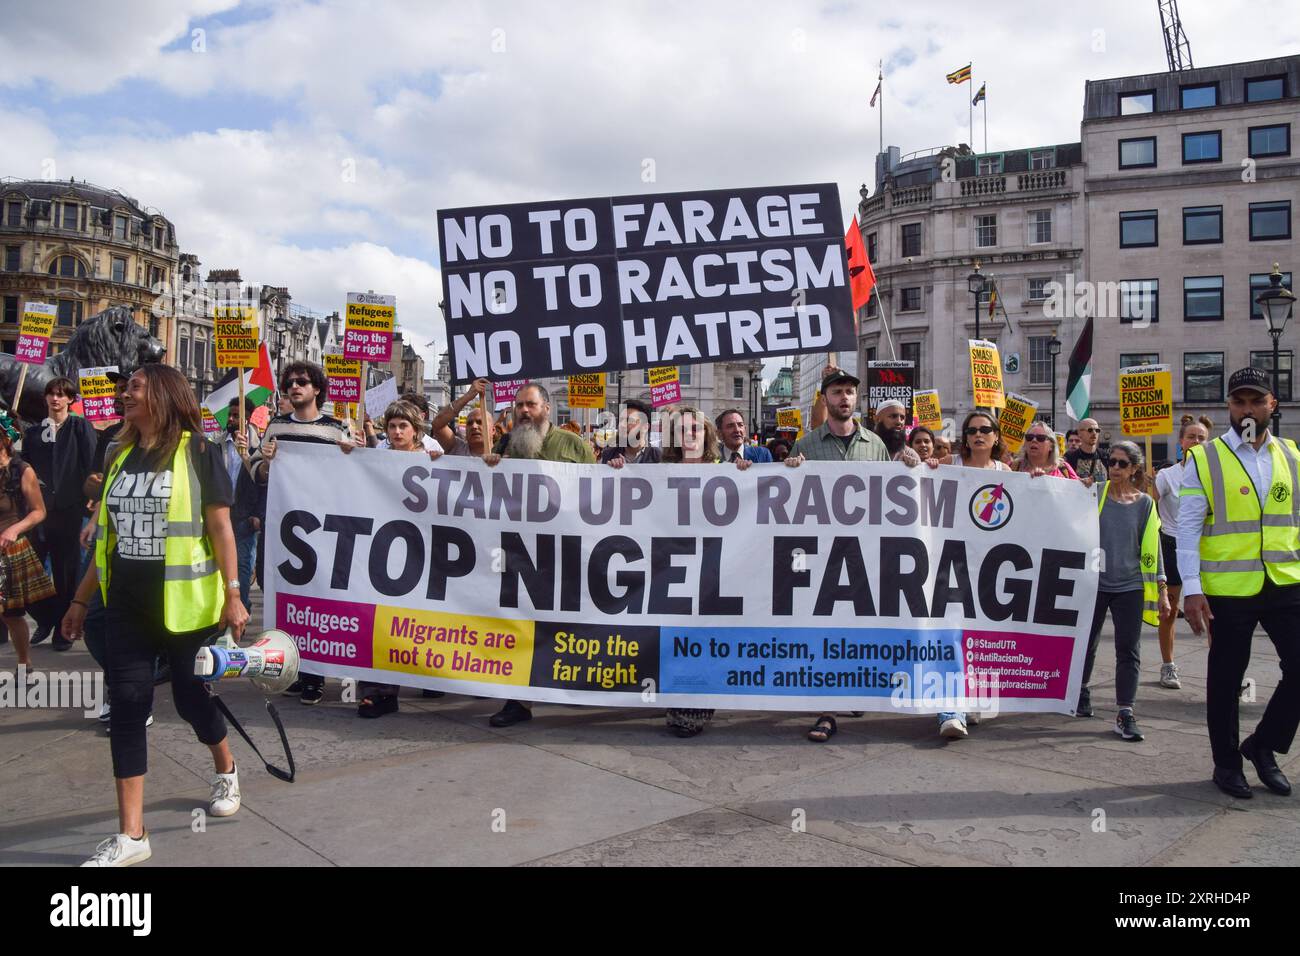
<point x="1150" y="560"/>
<point x="1241" y="542"/>
<point x="193" y="591"/>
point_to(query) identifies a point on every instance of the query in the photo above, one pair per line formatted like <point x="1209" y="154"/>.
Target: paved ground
<point x="433" y="785"/>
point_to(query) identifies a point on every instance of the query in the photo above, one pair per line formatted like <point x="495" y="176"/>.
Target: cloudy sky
<point x="311" y="144"/>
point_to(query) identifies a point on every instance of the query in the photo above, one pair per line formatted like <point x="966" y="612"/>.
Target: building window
<point x="911" y="300"/>
<point x="1038" y="288"/>
<point x="119" y="269"/>
<point x="1203" y="298"/>
<point x="1270" y="141"/>
<point x="911" y="352"/>
<point x="200" y="356"/>
<point x="1137" y="153"/>
<point x="1270" y="220"/>
<point x="13" y="214"/>
<point x="1202" y="376"/>
<point x="1202" y="147"/>
<point x="1258" y="283"/>
<point x="1040" y="226"/>
<point x="1132" y="104"/>
<point x="986" y="231"/>
<point x="683" y="375"/>
<point x="1264" y="360"/>
<point x="158" y="237"/>
<point x="1198" y="97"/>
<point x="1139" y="300"/>
<point x="70" y="214"/>
<point x="1040" y="360"/>
<point x="911" y="239"/>
<point x="70" y="312"/>
<point x="737" y="386"/>
<point x="870" y="354"/>
<point x="13" y="255"/>
<point x="183" y="352"/>
<point x="870" y="307"/>
<point x="1138" y="229"/>
<point x="990" y="165"/>
<point x="1130" y="359"/>
<point x="1265" y="88"/>
<point x="1042" y="158"/>
<point x="119" y="227"/>
<point x="1202" y="225"/>
<point x="11" y="310"/>
<point x="69" y="267"/>
<point x="872" y="247"/>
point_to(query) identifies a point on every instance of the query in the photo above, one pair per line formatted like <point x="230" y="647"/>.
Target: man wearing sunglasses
<point x="1239" y="558"/>
<point x="1087" y="460"/>
<point x="304" y="383"/>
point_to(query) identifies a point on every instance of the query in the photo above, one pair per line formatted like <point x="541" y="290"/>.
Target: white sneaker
<point x="225" y="794"/>
<point x="121" y="850"/>
<point x="104" y="709"/>
<point x="1169" y="676"/>
<point x="973" y="718"/>
<point x="954" y="728"/>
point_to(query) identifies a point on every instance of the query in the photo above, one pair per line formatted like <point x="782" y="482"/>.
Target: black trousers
<point x="59" y="541"/>
<point x="1277" y="610"/>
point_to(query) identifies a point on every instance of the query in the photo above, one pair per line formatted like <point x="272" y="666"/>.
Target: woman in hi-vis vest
<point x="165" y="569"/>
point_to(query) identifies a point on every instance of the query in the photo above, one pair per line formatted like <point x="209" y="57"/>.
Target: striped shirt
<point x="321" y="431"/>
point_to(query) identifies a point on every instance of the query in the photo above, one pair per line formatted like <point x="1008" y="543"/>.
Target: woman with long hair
<point x="921" y="441"/>
<point x="23" y="579"/>
<point x="1168" y="481"/>
<point x="165" y="568"/>
<point x="1040" y="455"/>
<point x="1131" y="584"/>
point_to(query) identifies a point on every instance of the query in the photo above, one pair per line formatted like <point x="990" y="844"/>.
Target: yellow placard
<point x="1016" y="417"/>
<point x="790" y="418"/>
<point x="38" y="320"/>
<point x="370" y="316"/>
<point x="986" y="374"/>
<point x="662" y="375"/>
<point x="1146" y="400"/>
<point x="235" y="332"/>
<point x="1060" y="443"/>
<point x="925" y="409"/>
<point x="587" y="391"/>
<point x="336" y="366"/>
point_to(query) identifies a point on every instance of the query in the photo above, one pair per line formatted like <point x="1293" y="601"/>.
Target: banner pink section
<point x="333" y="632"/>
<point x="368" y="346"/>
<point x="667" y="394"/>
<point x="31" y="349"/>
<point x="1026" y="665"/>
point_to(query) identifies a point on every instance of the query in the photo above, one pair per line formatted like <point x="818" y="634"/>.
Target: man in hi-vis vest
<point x="1239" y="557"/>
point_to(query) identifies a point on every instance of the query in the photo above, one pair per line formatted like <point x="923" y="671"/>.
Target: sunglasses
<point x="1038" y="438"/>
<point x="980" y="430"/>
<point x="1090" y="429"/>
<point x="300" y="382"/>
<point x="1117" y="463"/>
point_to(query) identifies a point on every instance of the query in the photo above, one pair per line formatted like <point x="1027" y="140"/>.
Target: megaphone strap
<point x="285" y="775"/>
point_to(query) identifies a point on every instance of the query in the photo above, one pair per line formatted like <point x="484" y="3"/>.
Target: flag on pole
<point x="862" y="279"/>
<point x="1078" y="385"/>
<point x="979" y="96"/>
<point x="960" y="76"/>
<point x="993" y="300"/>
<point x="877" y="93"/>
<point x="259" y="384"/>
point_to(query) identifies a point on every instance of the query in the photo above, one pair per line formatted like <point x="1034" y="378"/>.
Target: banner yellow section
<point x="986" y="374"/>
<point x="1146" y="400"/>
<point x="456" y="646"/>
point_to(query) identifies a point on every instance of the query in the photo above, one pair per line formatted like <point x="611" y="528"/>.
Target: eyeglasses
<point x="1117" y="462"/>
<point x="980" y="430"/>
<point x="1090" y="429"/>
<point x="300" y="382"/>
<point x="1038" y="438"/>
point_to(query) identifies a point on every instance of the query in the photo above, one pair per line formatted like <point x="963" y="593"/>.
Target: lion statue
<point x="110" y="338"/>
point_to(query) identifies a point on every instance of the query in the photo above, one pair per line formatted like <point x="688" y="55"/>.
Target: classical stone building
<point x="83" y="248"/>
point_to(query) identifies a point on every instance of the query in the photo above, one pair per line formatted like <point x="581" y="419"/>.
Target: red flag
<point x="262" y="375"/>
<point x="861" y="279"/>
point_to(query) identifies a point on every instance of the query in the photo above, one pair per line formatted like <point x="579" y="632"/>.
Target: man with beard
<point x="1239" y="558"/>
<point x="891" y="428"/>
<point x="534" y="437"/>
<point x="634" y="434"/>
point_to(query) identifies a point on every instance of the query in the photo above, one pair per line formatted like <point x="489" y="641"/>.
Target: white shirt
<point x="730" y="454"/>
<point x="1168" y="481"/>
<point x="427" y="441"/>
<point x="1192" y="509"/>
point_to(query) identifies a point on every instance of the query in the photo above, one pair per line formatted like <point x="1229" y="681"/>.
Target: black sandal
<point x="377" y="705"/>
<point x="823" y="730"/>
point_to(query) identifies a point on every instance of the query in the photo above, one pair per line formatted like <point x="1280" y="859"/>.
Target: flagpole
<point x="884" y="324"/>
<point x="985" y="101"/>
<point x="970" y="112"/>
<point x="880" y="83"/>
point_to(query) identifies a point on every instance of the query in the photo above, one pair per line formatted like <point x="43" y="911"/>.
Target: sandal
<point x="377" y="705"/>
<point x="823" y="730"/>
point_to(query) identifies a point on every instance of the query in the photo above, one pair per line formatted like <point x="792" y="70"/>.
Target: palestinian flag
<point x="1078" y="385"/>
<point x="259" y="386"/>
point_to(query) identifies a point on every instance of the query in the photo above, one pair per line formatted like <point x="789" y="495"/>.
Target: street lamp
<point x="1276" y="302"/>
<point x="1054" y="349"/>
<point x="977" y="284"/>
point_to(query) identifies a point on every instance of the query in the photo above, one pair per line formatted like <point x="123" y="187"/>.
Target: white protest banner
<point x="591" y="285"/>
<point x="828" y="587"/>
<point x="380" y="397"/>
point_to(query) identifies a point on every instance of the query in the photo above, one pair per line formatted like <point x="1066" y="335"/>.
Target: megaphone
<point x="271" y="662"/>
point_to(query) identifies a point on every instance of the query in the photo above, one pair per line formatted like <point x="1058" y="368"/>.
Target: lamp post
<point x="976" y="283"/>
<point x="1276" y="302"/>
<point x="1054" y="349"/>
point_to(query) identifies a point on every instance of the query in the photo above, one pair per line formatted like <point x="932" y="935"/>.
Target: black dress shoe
<point x="42" y="634"/>
<point x="512" y="713"/>
<point x="60" y="643"/>
<point x="1233" y="783"/>
<point x="1270" y="774"/>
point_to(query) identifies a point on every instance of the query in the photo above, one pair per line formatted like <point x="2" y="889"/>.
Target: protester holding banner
<point x="1131" y="584"/>
<point x="731" y="432"/>
<point x="1040" y="455"/>
<point x="891" y="427"/>
<point x="443" y="425"/>
<point x="304" y="383"/>
<point x="921" y="441"/>
<point x="167" y="587"/>
<point x="634" y="431"/>
<point x="1168" y="481"/>
<point x="24" y="581"/>
<point x="421" y="406"/>
<point x="61" y="451"/>
<point x="779" y="449"/>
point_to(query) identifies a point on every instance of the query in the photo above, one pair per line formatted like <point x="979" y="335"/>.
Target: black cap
<point x="837" y="376"/>
<point x="115" y="376"/>
<point x="1255" y="379"/>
